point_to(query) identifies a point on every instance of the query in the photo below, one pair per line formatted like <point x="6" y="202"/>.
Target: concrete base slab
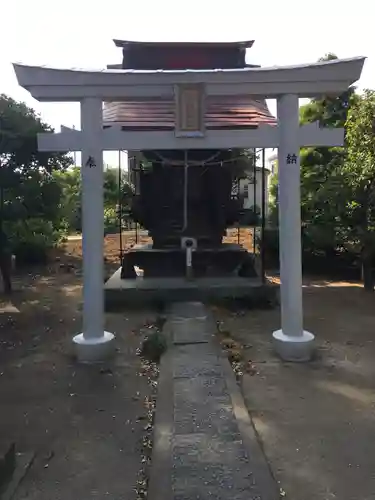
<point x="293" y="348"/>
<point x="94" y="350"/>
<point x="147" y="291"/>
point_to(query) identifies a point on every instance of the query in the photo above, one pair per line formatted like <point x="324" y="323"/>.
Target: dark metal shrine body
<point x="186" y="193"/>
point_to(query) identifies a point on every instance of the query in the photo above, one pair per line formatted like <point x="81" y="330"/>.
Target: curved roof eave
<point x="126" y="43"/>
<point x="305" y="80"/>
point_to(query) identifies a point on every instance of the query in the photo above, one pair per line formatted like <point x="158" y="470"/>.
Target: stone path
<point x="204" y="443"/>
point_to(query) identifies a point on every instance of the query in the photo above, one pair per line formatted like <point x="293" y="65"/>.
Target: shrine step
<point x="204" y="444"/>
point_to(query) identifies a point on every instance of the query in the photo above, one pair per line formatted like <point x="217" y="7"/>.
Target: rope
<point x="206" y="163"/>
<point x="120" y="205"/>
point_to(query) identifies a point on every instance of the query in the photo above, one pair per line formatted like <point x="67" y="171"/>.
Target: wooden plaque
<point x="189" y="116"/>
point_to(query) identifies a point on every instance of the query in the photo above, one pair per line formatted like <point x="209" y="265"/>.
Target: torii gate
<point x="286" y="84"/>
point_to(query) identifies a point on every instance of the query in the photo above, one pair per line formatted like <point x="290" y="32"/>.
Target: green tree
<point x="324" y="189"/>
<point x="359" y="174"/>
<point x="29" y="194"/>
<point x="71" y="185"/>
<point x="19" y="126"/>
<point x="320" y="170"/>
<point x="111" y="187"/>
<point x="116" y="196"/>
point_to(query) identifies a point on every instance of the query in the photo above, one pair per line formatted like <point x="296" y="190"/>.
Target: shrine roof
<point x="221" y="112"/>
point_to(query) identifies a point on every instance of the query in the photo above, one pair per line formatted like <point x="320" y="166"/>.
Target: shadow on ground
<point x="85" y="424"/>
<point x="316" y="421"/>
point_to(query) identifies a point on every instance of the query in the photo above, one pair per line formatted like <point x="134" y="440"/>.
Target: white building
<point x="252" y="195"/>
<point x="272" y="163"/>
<point x="251" y="190"/>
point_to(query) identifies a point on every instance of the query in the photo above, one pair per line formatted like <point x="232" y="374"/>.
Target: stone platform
<point x="147" y="291"/>
<point x="204" y="444"/>
<point x="223" y="260"/>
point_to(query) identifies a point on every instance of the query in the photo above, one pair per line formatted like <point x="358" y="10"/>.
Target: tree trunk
<point x="367" y="272"/>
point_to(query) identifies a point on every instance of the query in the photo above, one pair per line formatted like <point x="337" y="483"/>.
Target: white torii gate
<point x="286" y="84"/>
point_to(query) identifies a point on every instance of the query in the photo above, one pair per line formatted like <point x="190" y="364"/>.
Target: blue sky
<point x="79" y="34"/>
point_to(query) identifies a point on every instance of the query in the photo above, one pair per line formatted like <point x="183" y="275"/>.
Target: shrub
<point x="250" y="216"/>
<point x="111" y="222"/>
<point x="271" y="246"/>
<point x="154" y="346"/>
<point x="31" y="240"/>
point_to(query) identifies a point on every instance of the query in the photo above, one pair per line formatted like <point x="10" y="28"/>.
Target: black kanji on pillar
<point x="90" y="162"/>
<point x="291" y="159"/>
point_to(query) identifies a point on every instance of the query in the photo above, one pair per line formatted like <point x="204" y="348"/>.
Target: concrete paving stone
<point x="217" y="490"/>
<point x="215" y="494"/>
<point x="201" y="448"/>
<point x="191" y="420"/>
<point x="201" y="404"/>
<point x="190" y="330"/>
<point x="195" y="360"/>
<point x="188" y="310"/>
<point x="200" y="388"/>
<point x="227" y="476"/>
<point x="210" y="468"/>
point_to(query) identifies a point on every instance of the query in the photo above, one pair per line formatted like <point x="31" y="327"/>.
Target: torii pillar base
<point x="94" y="350"/>
<point x="294" y="348"/>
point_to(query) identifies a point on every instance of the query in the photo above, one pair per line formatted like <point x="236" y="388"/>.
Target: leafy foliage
<point x="70" y="182"/>
<point x="19" y="126"/>
<point x="321" y="174"/>
<point x="338" y="185"/>
<point x="154" y="346"/>
<point x="359" y="174"/>
<point x="30" y="196"/>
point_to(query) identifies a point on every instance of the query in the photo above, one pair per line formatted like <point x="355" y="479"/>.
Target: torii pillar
<point x="94" y="343"/>
<point x="292" y="342"/>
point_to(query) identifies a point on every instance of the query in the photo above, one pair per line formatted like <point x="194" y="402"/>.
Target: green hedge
<point x="32" y="239"/>
<point x="315" y="259"/>
<point x="111" y="222"/>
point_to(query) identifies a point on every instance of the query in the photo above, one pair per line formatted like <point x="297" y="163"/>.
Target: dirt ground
<point x="87" y="426"/>
<point x="317" y="420"/>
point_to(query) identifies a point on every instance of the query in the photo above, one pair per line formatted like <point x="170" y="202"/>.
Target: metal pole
<point x="263" y="221"/>
<point x="120" y="204"/>
<point x="186" y="188"/>
<point x="254" y="195"/>
<point x="239" y="222"/>
<point x="1" y="207"/>
<point x="137" y="174"/>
